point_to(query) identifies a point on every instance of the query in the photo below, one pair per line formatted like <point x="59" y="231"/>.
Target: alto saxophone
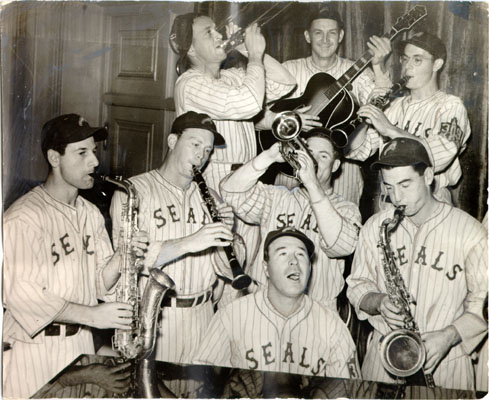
<point x="138" y="342"/>
<point x="402" y="351"/>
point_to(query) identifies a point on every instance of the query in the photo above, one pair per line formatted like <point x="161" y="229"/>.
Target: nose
<point x="217" y="34"/>
<point x="93" y="161"/>
<point x="396" y="193"/>
<point x="293" y="260"/>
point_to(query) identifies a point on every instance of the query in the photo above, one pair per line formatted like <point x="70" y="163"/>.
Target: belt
<point x="55" y="329"/>
<point x="188" y="301"/>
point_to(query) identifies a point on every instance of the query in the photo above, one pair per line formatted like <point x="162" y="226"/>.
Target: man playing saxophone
<point x="58" y="260"/>
<point x="445" y="274"/>
<point x="182" y="239"/>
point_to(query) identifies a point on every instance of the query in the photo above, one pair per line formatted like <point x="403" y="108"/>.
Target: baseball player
<point x="329" y="221"/>
<point x="324" y="34"/>
<point x="439" y="120"/>
<point x="182" y="238"/>
<point x="280" y="328"/>
<point x="58" y="260"/>
<point x="231" y="97"/>
<point x="441" y="253"/>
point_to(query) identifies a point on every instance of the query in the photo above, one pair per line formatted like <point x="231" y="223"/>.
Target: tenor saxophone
<point x="137" y="343"/>
<point x="402" y="351"/>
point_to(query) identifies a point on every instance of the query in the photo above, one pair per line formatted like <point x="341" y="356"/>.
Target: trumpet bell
<point x="286" y="126"/>
<point x="402" y="352"/>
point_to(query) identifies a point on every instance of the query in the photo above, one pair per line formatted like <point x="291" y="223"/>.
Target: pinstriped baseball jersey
<point x="441" y="121"/>
<point x="53" y="254"/>
<point x="275" y="207"/>
<point x="250" y="333"/>
<point x="444" y="265"/>
<point x="231" y="101"/>
<point x="167" y="212"/>
<point x="349" y="183"/>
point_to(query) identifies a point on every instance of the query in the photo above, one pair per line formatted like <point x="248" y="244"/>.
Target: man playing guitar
<point x="325" y="33"/>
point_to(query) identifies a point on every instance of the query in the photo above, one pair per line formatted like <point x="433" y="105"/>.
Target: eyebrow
<point x="400" y="182"/>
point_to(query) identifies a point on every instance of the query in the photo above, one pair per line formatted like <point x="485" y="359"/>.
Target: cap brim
<point x="394" y="163"/>
<point x="218" y="139"/>
<point x="99" y="134"/>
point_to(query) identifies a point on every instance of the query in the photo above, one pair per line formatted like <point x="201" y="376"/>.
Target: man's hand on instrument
<point x="377" y="118"/>
<point x="110" y="315"/>
<point x="114" y="379"/>
<point x="307" y="173"/>
<point x="274" y="154"/>
<point x="210" y="235"/>
<point x="140" y="243"/>
<point x="437" y="345"/>
<point x="226" y="213"/>
<point x="309" y="121"/>
<point x="391" y="314"/>
<point x="380" y="47"/>
<point x="255" y="43"/>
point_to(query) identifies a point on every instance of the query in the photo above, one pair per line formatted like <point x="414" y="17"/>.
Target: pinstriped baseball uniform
<point x="441" y="121"/>
<point x="444" y="265"/>
<point x="349" y="183"/>
<point x="53" y="254"/>
<point x="250" y="333"/>
<point x="275" y="207"/>
<point x="167" y="212"/>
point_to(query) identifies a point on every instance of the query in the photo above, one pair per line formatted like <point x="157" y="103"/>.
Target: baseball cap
<point x="66" y="129"/>
<point x="191" y="119"/>
<point x="426" y="41"/>
<point x="290" y="231"/>
<point x="325" y="12"/>
<point x="402" y="152"/>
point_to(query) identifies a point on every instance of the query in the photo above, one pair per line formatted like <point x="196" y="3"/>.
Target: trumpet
<point x="286" y="127"/>
<point x="238" y="37"/>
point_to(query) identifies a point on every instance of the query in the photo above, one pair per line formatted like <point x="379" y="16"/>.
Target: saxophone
<point x="402" y="351"/>
<point x="138" y="342"/>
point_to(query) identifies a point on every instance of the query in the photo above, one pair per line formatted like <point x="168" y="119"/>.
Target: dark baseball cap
<point x="426" y="41"/>
<point x="66" y="129"/>
<point x="325" y="12"/>
<point x="290" y="231"/>
<point x="191" y="119"/>
<point x="402" y="152"/>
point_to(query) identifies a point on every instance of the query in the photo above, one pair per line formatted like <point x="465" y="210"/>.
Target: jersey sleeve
<point x="364" y="275"/>
<point x="103" y="254"/>
<point x="251" y="205"/>
<point x="346" y="242"/>
<point x="343" y="361"/>
<point x="367" y="148"/>
<point x="470" y="325"/>
<point x="363" y="86"/>
<point x="449" y="135"/>
<point x="26" y="289"/>
<point x="220" y="100"/>
<point x="215" y="348"/>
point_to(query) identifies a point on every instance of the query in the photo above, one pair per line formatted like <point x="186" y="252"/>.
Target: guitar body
<point x="340" y="109"/>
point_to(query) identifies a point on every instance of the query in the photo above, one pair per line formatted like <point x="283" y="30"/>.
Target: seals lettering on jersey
<point x="249" y="357"/>
<point x="288" y="353"/>
<point x="285" y="220"/>
<point x="454" y="271"/>
<point x="66" y="245"/>
<point x="157" y="216"/>
<point x="267" y="354"/>
<point x="174" y="217"/>
<point x="54" y="254"/>
<point x="401" y="255"/>
<point x="452" y="131"/>
<point x="434" y="265"/>
<point x="86" y="243"/>
<point x="421" y="256"/>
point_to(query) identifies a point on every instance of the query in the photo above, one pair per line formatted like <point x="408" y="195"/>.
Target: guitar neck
<point x="356" y="68"/>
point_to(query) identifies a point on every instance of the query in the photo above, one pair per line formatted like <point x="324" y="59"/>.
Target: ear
<point x="53" y="158"/>
<point x="342" y="34"/>
<point x="438" y="64"/>
<point x="429" y="176"/>
<point x="172" y="141"/>
<point x="265" y="268"/>
<point x="307" y="37"/>
<point x="336" y="165"/>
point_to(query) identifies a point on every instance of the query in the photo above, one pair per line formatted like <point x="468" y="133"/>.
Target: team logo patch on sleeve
<point x="452" y="131"/>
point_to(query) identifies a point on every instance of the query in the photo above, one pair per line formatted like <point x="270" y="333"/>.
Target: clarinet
<point x="240" y="279"/>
